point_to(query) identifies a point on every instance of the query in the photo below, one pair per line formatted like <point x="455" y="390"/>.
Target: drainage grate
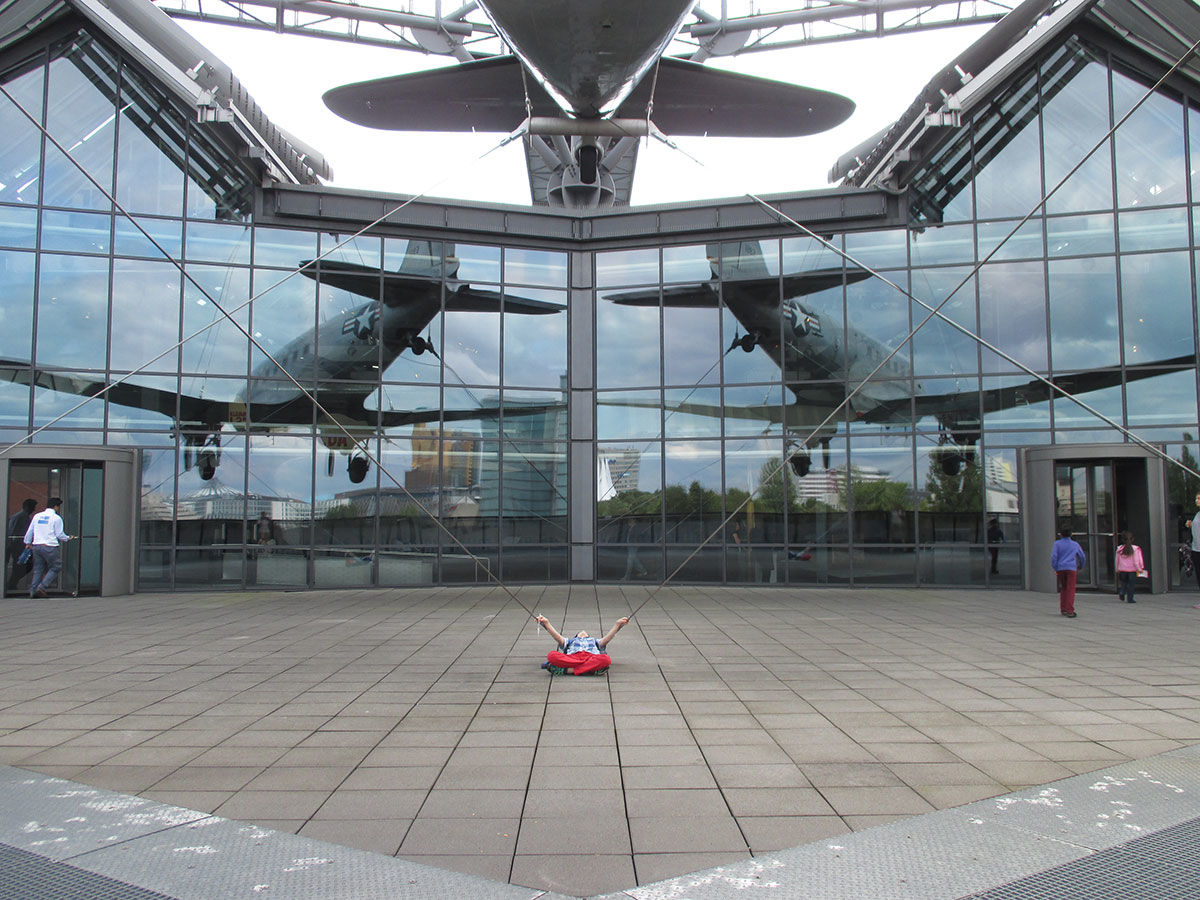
<point x="27" y="876"/>
<point x="1163" y="865"/>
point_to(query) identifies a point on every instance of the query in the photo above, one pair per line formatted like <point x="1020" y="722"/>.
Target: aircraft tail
<point x="739" y="261"/>
<point x="423" y="259"/>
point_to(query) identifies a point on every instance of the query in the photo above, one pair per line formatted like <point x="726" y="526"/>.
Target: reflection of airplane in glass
<point x="586" y="78"/>
<point x="339" y="361"/>
<point x="818" y="360"/>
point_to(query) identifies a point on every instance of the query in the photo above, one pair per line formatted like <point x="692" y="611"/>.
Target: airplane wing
<point x="689" y="99"/>
<point x="397" y="288"/>
<point x="705" y="294"/>
<point x="178" y="407"/>
<point x="399" y="418"/>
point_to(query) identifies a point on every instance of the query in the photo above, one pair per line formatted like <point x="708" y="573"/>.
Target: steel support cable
<point x="246" y="332"/>
<point x="936" y="311"/>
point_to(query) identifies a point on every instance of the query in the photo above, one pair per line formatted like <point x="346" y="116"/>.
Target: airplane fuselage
<point x="588" y="55"/>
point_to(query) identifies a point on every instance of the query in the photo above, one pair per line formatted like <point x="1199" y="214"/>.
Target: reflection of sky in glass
<point x="21" y="150"/>
<point x="1153" y="229"/>
<point x="689" y="461"/>
<point x="536" y="267"/>
<point x="804" y="254"/>
<point x="281" y="314"/>
<point x="938" y="347"/>
<point x="628" y="414"/>
<point x="282" y="247"/>
<point x="1163" y="399"/>
<point x="627" y="346"/>
<point x="1075" y="235"/>
<point x="359" y="251"/>
<point x="619" y="268"/>
<point x="1151" y="166"/>
<point x="72" y="325"/>
<point x="692" y="346"/>
<point x="1157" y="303"/>
<point x="1012" y="309"/>
<point x="16" y="312"/>
<point x="1083" y="313"/>
<point x="688" y="263"/>
<point x="221" y="349"/>
<point x="535" y="346"/>
<point x="1072" y="121"/>
<point x="471" y="352"/>
<point x="474" y="263"/>
<point x="145" y="315"/>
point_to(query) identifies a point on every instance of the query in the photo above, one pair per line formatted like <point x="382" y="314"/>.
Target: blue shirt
<point x="1066" y="555"/>
<point x="576" y="644"/>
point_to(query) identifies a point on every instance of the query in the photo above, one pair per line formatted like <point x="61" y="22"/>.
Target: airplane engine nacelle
<point x="568" y="190"/>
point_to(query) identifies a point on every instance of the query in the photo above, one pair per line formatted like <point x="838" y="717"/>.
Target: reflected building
<point x="431" y="399"/>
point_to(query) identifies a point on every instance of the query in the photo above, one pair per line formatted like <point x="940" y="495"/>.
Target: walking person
<point x="1129" y="566"/>
<point x="18" y="524"/>
<point x="44" y="537"/>
<point x="1066" y="558"/>
<point x="1193" y="547"/>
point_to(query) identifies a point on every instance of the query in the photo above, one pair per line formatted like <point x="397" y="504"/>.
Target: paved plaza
<point x="735" y="722"/>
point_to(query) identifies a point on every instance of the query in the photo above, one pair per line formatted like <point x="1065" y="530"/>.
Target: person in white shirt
<point x="43" y="537"/>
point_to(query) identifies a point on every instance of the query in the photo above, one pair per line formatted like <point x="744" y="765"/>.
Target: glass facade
<point x="760" y="413"/>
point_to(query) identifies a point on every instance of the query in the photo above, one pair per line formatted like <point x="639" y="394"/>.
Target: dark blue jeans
<point x="47" y="563"/>
<point x="1125" y="583"/>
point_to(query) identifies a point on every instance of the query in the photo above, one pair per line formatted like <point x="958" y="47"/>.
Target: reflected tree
<point x="776" y="492"/>
<point x="962" y="492"/>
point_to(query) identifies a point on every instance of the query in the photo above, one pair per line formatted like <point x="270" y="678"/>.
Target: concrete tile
<point x="487" y="804"/>
<point x="703" y="834"/>
<point x="374" y="835"/>
<point x="858" y="801"/>
<point x="767" y="833"/>
<point x="495" y="868"/>
<point x="652" y="867"/>
<point x="682" y="802"/>
<point x="777" y="802"/>
<point x="252" y="806"/>
<point x="490" y="837"/>
<point x="562" y="834"/>
<point x="573" y="874"/>
<point x="367" y="805"/>
<point x="669" y="777"/>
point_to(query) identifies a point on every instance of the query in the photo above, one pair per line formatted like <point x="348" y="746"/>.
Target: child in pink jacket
<point x="1129" y="564"/>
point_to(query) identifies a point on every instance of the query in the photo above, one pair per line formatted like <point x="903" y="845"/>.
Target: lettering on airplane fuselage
<point x="362" y="323"/>
<point x="803" y="321"/>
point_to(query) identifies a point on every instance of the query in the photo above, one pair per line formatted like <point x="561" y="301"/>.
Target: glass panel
<point x="752" y="410"/>
<point x="619" y="268"/>
<point x="1012" y="314"/>
<point x="1153" y="229"/>
<point x="16" y="313"/>
<point x="692" y="499"/>
<point x="1151" y="166"/>
<point x="535" y="346"/>
<point x="876" y="324"/>
<point x="218" y="187"/>
<point x="283" y="320"/>
<point x="212" y="499"/>
<point x="1194" y="141"/>
<point x="76" y="232"/>
<point x="471" y="354"/>
<point x="131" y="239"/>
<point x="1182" y="488"/>
<point x="1157" y="303"/>
<point x="628" y="414"/>
<point x="1078" y="235"/>
<point x="20" y="152"/>
<point x="1083" y="313"/>
<point x="697" y="263"/>
<point x="885" y="565"/>
<point x="691" y="346"/>
<point x="283" y="248"/>
<point x="537" y="267"/>
<point x="943" y="244"/>
<point x="938" y="347"/>
<point x="951" y="497"/>
<point x="627" y="342"/>
<point x="145" y="315"/>
<point x="1003" y="508"/>
<point x="218" y="242"/>
<point x="72" y="326"/>
<point x="1024" y="242"/>
<point x="1074" y="118"/>
<point x="81" y="115"/>
<point x="534" y="504"/>
<point x="157" y="513"/>
<point x="279" y="505"/>
<point x="213" y="343"/>
<point x="471" y="263"/>
<point x="1161" y="400"/>
<point x="18" y="227"/>
<point x="693" y="413"/>
<point x="805" y="254"/>
<point x="1069" y="414"/>
<point x="629" y="511"/>
<point x="14" y="406"/>
<point x="881" y="489"/>
<point x="1008" y="179"/>
<point x="878" y="249"/>
<point x="151" y="151"/>
<point x="755" y="537"/>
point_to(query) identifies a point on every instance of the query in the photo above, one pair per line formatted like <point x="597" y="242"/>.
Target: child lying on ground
<point x="579" y="655"/>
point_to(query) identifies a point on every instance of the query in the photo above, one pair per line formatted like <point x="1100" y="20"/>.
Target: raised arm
<point x="551" y="630"/>
<point x="612" y="632"/>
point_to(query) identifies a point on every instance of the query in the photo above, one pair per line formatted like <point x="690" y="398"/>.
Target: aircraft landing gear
<point x="421" y="345"/>
<point x="747" y="342"/>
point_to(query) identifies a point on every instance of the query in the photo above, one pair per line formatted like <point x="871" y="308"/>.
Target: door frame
<point x="119" y="523"/>
<point x="1039" y="517"/>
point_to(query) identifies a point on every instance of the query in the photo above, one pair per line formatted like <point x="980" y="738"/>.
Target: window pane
<point x="1151" y="167"/>
<point x="535" y="346"/>
<point x="151" y="150"/>
<point x="627" y="342"/>
<point x="72" y="326"/>
<point x="81" y="117"/>
<point x="1157" y="302"/>
<point x="20" y="152"/>
<point x="145" y="315"/>
<point x="1074" y="118"/>
<point x="1083" y="313"/>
